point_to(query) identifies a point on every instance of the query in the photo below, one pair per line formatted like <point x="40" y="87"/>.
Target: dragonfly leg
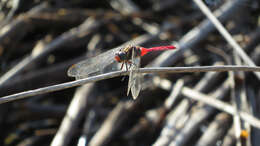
<point x="126" y="69"/>
<point x="126" y="66"/>
<point x="122" y="66"/>
<point x="130" y="63"/>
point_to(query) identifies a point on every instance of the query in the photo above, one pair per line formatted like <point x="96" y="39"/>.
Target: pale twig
<point x="180" y="112"/>
<point x="225" y="34"/>
<point x="216" y="130"/>
<point x="89" y="24"/>
<point x="230" y="138"/>
<point x="73" y="116"/>
<point x="198" y="116"/>
<point x="10" y="15"/>
<point x="207" y="99"/>
<point x="236" y="101"/>
<point x="174" y="94"/>
<point x="108" y="129"/>
<point x="124" y="6"/>
<point x="196" y="35"/>
<point x="169" y="131"/>
<point x="58" y="87"/>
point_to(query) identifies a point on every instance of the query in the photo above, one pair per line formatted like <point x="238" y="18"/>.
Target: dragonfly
<point x="129" y="56"/>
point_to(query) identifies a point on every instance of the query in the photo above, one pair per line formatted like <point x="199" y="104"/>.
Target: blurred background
<point x="41" y="39"/>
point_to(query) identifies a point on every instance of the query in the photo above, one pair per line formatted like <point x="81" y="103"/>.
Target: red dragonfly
<point x="129" y="56"/>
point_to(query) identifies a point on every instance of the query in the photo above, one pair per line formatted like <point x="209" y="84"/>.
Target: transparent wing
<point x="134" y="82"/>
<point x="102" y="63"/>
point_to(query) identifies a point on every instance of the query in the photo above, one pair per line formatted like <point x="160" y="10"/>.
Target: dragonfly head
<point x="120" y="56"/>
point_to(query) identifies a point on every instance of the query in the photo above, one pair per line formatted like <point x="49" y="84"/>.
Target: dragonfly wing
<point x="130" y="82"/>
<point x="94" y="66"/>
<point x="134" y="82"/>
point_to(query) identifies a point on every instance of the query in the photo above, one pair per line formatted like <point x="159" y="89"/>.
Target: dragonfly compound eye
<point x="120" y="56"/>
<point x="117" y="58"/>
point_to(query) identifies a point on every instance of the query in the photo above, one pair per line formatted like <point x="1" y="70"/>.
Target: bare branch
<point x="89" y="24"/>
<point x="73" y="116"/>
<point x="226" y="34"/>
<point x="221" y="106"/>
<point x="164" y="70"/>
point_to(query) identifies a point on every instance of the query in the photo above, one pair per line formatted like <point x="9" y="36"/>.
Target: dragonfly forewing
<point x="94" y="66"/>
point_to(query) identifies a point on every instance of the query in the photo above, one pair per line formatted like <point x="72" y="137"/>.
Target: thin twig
<point x="124" y="6"/>
<point x="89" y="24"/>
<point x="196" y="35"/>
<point x="225" y="34"/>
<point x="216" y="130"/>
<point x="58" y="87"/>
<point x="195" y="119"/>
<point x="174" y="94"/>
<point x="180" y="112"/>
<point x="221" y="106"/>
<point x="223" y="68"/>
<point x="108" y="129"/>
<point x="73" y="116"/>
<point x="235" y="101"/>
<point x="230" y="138"/>
<point x="15" y="6"/>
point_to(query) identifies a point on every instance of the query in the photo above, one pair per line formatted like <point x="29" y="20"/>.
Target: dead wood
<point x="178" y="105"/>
